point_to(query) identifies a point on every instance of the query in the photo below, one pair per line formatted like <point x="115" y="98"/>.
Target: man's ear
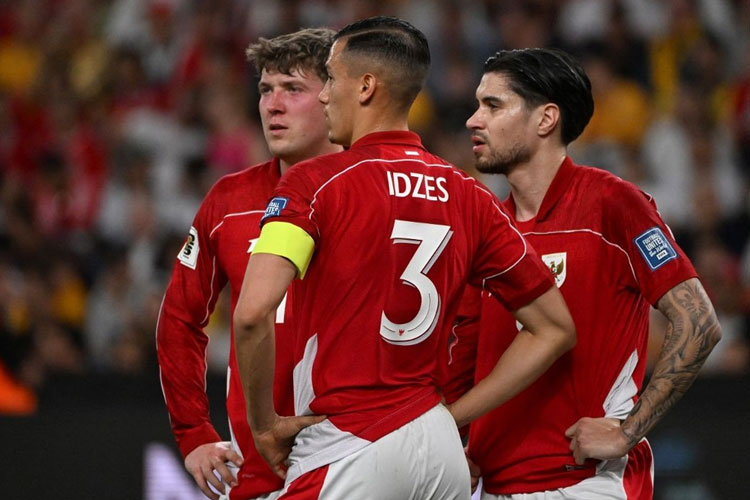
<point x="549" y="119"/>
<point x="367" y="84"/>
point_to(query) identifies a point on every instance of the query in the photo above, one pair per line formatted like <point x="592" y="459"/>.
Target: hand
<point x="600" y="438"/>
<point x="474" y="471"/>
<point x="275" y="443"/>
<point x="207" y="458"/>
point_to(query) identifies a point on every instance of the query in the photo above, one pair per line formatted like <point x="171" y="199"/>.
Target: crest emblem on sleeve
<point x="655" y="248"/>
<point x="274" y="207"/>
<point x="188" y="255"/>
<point x="557" y="264"/>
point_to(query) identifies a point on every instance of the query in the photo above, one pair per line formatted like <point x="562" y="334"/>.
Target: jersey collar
<point x="556" y="189"/>
<point x="404" y="137"/>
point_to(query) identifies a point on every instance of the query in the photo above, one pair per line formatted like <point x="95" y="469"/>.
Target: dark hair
<point x="540" y="76"/>
<point x="306" y="49"/>
<point x="400" y="47"/>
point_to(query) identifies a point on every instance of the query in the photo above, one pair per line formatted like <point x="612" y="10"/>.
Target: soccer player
<point x="612" y="257"/>
<point x="292" y="74"/>
<point x="383" y="237"/>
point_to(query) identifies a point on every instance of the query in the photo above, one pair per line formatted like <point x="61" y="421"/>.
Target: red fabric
<point x="307" y="486"/>
<point x="594" y="218"/>
<point x="462" y="349"/>
<point x="225" y="224"/>
<point x="637" y="480"/>
<point x="365" y="384"/>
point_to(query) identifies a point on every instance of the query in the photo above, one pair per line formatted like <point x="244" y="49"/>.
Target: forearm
<point x="255" y="351"/>
<point x="692" y="332"/>
<point x="524" y="361"/>
<point x="267" y="278"/>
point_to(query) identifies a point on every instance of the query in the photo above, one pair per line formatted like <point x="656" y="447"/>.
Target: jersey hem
<point x="528" y="486"/>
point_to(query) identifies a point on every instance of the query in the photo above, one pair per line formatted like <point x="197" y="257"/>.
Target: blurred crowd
<point x="116" y="116"/>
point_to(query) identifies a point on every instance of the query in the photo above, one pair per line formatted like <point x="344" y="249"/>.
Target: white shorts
<point x="422" y="460"/>
<point x="628" y="478"/>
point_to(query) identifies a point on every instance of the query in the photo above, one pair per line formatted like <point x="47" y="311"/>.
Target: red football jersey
<point x="216" y="252"/>
<point x="612" y="256"/>
<point x="397" y="233"/>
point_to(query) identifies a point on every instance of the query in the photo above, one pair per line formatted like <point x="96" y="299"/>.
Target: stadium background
<point x="116" y="116"/>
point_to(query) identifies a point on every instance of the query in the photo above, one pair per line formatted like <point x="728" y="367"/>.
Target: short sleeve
<point x="292" y="202"/>
<point x="632" y="221"/>
<point x="505" y="264"/>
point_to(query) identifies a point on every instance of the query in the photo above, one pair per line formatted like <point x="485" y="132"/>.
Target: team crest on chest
<point x="558" y="266"/>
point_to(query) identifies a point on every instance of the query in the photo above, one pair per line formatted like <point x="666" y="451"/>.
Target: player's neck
<point x="530" y="181"/>
<point x="323" y="148"/>
<point x="378" y="122"/>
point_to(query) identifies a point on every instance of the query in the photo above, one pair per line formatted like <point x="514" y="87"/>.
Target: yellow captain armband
<point x="288" y="241"/>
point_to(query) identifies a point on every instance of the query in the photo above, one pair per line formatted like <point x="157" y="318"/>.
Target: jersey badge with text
<point x="556" y="263"/>
<point x="189" y="253"/>
<point x="655" y="248"/>
<point x="274" y="207"/>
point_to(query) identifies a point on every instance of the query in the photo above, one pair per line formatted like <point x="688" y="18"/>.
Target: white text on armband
<point x="417" y="185"/>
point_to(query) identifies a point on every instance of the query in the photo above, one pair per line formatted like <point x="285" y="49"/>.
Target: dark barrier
<point x="108" y="437"/>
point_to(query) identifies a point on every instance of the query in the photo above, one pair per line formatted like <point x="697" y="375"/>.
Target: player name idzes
<point x="417" y="185"/>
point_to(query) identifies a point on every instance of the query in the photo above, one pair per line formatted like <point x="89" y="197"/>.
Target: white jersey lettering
<point x="417" y="185"/>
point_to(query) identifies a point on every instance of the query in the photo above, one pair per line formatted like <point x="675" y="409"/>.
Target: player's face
<point x="502" y="128"/>
<point x="339" y="97"/>
<point x="291" y="115"/>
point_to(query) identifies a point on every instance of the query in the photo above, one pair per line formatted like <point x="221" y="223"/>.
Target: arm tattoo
<point x="692" y="333"/>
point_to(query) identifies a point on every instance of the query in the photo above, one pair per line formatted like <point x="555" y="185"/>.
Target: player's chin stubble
<point x="502" y="162"/>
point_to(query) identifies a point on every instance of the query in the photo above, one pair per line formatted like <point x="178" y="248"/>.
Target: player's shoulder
<point x="247" y="189"/>
<point x="610" y="202"/>
<point x="318" y="168"/>
<point x="251" y="181"/>
<point x="314" y="173"/>
<point x="606" y="188"/>
<point x="262" y="173"/>
<point x="435" y="161"/>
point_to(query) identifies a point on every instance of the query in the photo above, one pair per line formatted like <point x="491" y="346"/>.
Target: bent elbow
<point x="570" y="337"/>
<point x="714" y="334"/>
<point x="244" y="320"/>
<point x="708" y="328"/>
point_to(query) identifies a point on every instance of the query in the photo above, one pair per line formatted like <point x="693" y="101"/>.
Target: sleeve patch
<point x="188" y="255"/>
<point x="655" y="248"/>
<point x="274" y="207"/>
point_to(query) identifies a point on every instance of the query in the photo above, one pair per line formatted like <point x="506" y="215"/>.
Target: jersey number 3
<point x="431" y="239"/>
